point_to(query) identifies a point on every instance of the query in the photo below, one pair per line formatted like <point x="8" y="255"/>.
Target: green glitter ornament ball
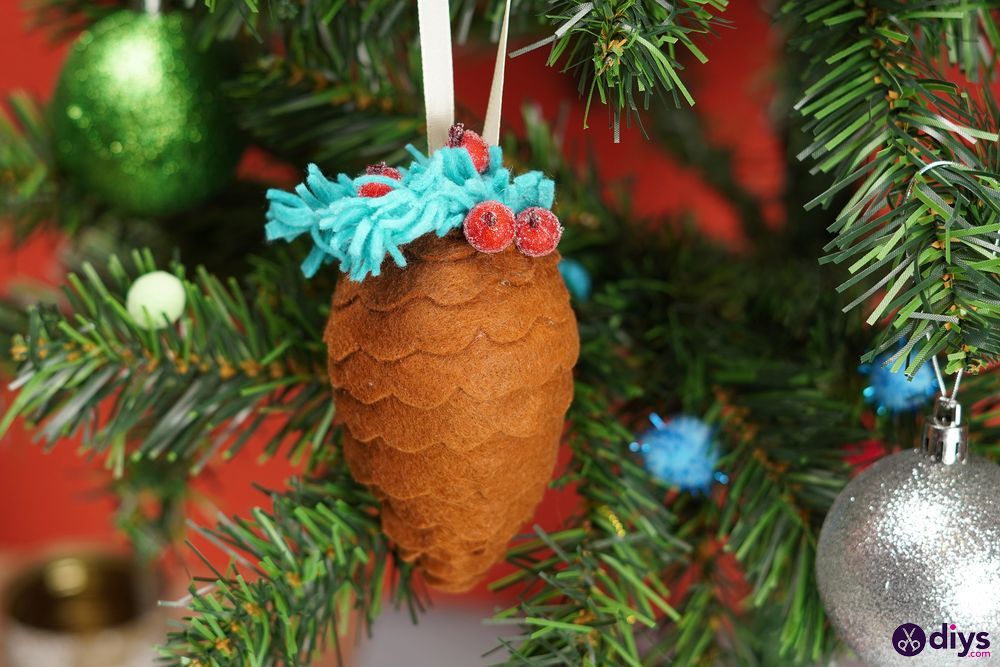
<point x="139" y="118"/>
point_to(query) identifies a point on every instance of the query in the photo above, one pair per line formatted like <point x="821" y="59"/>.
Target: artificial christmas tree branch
<point x="27" y="193"/>
<point x="318" y="101"/>
<point x="774" y="536"/>
<point x="590" y="590"/>
<point x="921" y="156"/>
<point x="761" y="519"/>
<point x="308" y="574"/>
<point x="768" y="354"/>
<point x="675" y="325"/>
<point x="152" y="500"/>
<point x="623" y="54"/>
<point x="185" y="395"/>
<point x="304" y="116"/>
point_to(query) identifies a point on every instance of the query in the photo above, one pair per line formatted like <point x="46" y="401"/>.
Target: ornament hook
<point x="940" y="377"/>
<point x="946" y="438"/>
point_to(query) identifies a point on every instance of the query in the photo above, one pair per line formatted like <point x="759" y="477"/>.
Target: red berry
<point x="378" y="189"/>
<point x="489" y="227"/>
<point x="537" y="231"/>
<point x="479" y="151"/>
<point x="374" y="190"/>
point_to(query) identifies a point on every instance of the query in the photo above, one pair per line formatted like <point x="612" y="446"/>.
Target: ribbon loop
<point x="491" y="129"/>
<point x="439" y="75"/>
<point x="436" y="64"/>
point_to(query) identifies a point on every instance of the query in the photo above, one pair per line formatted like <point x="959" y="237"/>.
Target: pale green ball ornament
<point x="139" y="118"/>
<point x="156" y="300"/>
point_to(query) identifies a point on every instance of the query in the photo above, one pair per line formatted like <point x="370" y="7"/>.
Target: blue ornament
<point x="577" y="278"/>
<point x="681" y="452"/>
<point x="892" y="391"/>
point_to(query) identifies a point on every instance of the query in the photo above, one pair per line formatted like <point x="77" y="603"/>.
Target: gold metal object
<point x="79" y="594"/>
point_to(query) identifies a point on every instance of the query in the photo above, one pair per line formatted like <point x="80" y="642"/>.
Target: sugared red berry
<point x="479" y="151"/>
<point x="378" y="189"/>
<point x="489" y="227"/>
<point x="537" y="231"/>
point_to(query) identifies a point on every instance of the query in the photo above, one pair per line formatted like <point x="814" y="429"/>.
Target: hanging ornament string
<point x="491" y="129"/>
<point x="439" y="76"/>
<point x="940" y="377"/>
<point x="438" y="72"/>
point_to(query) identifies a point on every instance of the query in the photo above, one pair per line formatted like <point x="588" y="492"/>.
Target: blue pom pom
<point x="892" y="391"/>
<point x="577" y="278"/>
<point x="433" y="195"/>
<point x="681" y="452"/>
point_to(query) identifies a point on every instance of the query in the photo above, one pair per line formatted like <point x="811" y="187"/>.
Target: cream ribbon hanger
<point x="439" y="74"/>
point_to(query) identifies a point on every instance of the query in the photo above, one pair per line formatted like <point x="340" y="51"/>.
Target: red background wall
<point x="49" y="498"/>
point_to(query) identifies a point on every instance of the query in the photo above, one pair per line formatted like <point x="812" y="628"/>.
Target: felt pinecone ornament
<point x="452" y="378"/>
<point x="452" y="364"/>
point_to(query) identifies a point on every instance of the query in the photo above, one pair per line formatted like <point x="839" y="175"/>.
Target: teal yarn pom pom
<point x="681" y="453"/>
<point x="892" y="391"/>
<point x="576" y="277"/>
<point x="433" y="196"/>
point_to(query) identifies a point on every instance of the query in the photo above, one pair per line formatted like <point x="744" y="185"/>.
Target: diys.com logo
<point x="910" y="639"/>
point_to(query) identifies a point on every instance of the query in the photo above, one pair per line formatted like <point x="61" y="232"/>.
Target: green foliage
<point x="756" y="341"/>
<point x="624" y="52"/>
<point x="921" y="156"/>
<point x="310" y="119"/>
<point x="761" y="345"/>
<point x="590" y="589"/>
<point x="27" y="194"/>
<point x="338" y="83"/>
<point x="153" y="498"/>
<point x="761" y="349"/>
<point x="242" y="354"/>
<point x="304" y="573"/>
<point x="627" y="52"/>
<point x="777" y="500"/>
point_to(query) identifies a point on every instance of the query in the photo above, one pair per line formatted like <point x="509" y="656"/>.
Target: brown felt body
<point x="452" y="378"/>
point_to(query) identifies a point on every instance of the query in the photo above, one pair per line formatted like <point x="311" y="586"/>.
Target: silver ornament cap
<point x="908" y="560"/>
<point x="946" y="438"/>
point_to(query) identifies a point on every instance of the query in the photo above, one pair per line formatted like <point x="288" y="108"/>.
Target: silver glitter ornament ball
<point x="914" y="541"/>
